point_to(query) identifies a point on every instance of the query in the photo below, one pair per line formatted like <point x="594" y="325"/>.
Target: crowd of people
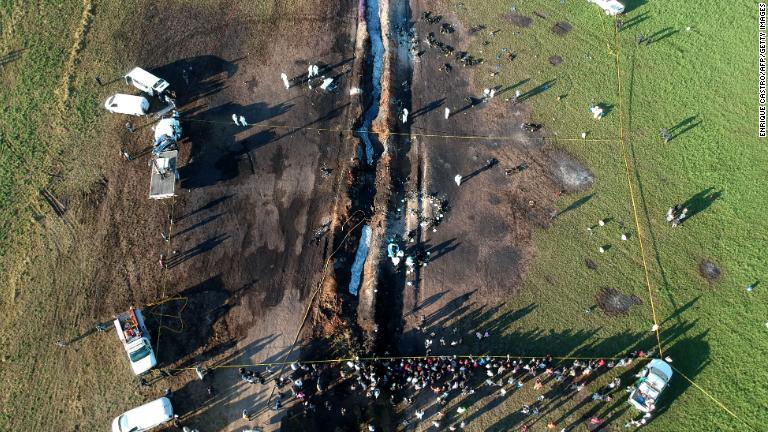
<point x="424" y="387"/>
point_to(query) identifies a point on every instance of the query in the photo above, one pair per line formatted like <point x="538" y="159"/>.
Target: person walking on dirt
<point x="405" y="115"/>
<point x="234" y="119"/>
<point x="243" y="122"/>
<point x="447" y="113"/>
<point x="129" y="126"/>
<point x="286" y="83"/>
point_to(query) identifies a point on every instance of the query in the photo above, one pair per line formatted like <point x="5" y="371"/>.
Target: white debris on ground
<point x="597" y="111"/>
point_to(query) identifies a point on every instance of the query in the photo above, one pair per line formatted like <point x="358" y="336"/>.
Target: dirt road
<point x="241" y="257"/>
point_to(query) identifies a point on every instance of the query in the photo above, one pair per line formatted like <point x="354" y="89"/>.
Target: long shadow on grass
<point x="568" y="408"/>
<point x="635" y="20"/>
<point x="641" y="190"/>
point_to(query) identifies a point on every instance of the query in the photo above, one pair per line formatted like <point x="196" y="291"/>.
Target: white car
<point x="653" y="379"/>
<point x="146" y="82"/>
<point x="145" y="417"/>
<point x="611" y="7"/>
<point x="127" y="104"/>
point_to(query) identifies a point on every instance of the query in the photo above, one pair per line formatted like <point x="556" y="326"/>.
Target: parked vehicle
<point x="611" y="7"/>
<point x="127" y="104"/>
<point x="146" y="82"/>
<point x="653" y="379"/>
<point x="145" y="417"/>
<point x="135" y="338"/>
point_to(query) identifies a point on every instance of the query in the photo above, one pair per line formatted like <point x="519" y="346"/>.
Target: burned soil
<point x="518" y="20"/>
<point x="709" y="270"/>
<point x="613" y="303"/>
<point x="555" y="60"/>
<point x="562" y="28"/>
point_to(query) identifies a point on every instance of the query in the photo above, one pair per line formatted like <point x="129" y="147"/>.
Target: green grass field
<point x="715" y="330"/>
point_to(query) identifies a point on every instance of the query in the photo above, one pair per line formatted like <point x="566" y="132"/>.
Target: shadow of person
<point x="701" y="201"/>
<point x="684" y="126"/>
<point x="490" y="164"/>
<point x="661" y="35"/>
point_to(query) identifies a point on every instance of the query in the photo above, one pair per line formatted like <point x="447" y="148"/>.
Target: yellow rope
<point x="426" y="135"/>
<point x="720" y="404"/>
<point x="632" y="190"/>
<point x="341" y="360"/>
<point x="165" y="276"/>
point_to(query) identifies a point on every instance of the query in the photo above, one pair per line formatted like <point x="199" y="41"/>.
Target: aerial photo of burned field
<point x="376" y="215"/>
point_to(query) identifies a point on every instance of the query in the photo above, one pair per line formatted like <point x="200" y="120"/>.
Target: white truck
<point x="652" y="380"/>
<point x="145" y="417"/>
<point x="135" y="338"/>
<point x="163" y="168"/>
<point x="610" y="7"/>
<point x="146" y="82"/>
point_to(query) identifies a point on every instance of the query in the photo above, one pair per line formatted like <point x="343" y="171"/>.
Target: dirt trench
<point x="374" y="185"/>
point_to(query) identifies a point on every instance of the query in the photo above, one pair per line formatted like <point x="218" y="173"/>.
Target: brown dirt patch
<point x="555" y="60"/>
<point x="518" y="20"/>
<point x="709" y="270"/>
<point x="562" y="28"/>
<point x="615" y="303"/>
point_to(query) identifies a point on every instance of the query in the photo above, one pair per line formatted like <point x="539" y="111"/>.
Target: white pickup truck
<point x="652" y="380"/>
<point x="135" y="338"/>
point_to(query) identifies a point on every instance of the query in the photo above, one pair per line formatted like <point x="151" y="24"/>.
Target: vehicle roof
<point x="144" y="77"/>
<point x="661" y="368"/>
<point x="121" y="98"/>
<point x="150" y="414"/>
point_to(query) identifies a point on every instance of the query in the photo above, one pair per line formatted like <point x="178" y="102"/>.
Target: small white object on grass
<point x="624" y="237"/>
<point x="655" y="327"/>
<point x="750" y="288"/>
<point x="602" y="249"/>
<point x="457" y="179"/>
<point x="601" y="222"/>
<point x="668" y="359"/>
<point x="584" y="135"/>
<point x="284" y="77"/>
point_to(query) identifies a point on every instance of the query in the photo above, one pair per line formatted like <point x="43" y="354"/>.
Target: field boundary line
<point x="424" y="135"/>
<point x="625" y="155"/>
<point x="713" y="399"/>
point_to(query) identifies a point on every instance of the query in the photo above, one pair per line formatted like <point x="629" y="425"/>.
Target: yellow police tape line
<point x="317" y="290"/>
<point x="725" y="408"/>
<point x="425" y="135"/>
<point x="177" y="316"/>
<point x="639" y="236"/>
<point x="632" y="190"/>
<point x="342" y="360"/>
<point x="165" y="273"/>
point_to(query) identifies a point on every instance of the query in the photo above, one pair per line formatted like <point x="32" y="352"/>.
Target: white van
<point x="145" y="417"/>
<point x="611" y="7"/>
<point x="127" y="104"/>
<point x="146" y="82"/>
